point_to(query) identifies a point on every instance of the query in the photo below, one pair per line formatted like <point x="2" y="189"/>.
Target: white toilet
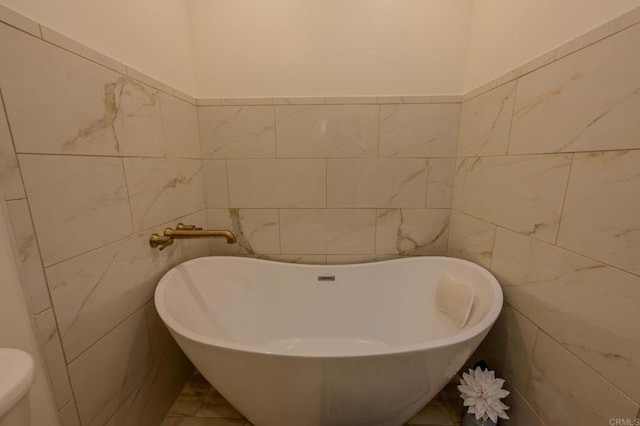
<point x="17" y="373"/>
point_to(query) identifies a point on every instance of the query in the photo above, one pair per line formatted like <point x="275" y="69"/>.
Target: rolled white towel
<point x="455" y="299"/>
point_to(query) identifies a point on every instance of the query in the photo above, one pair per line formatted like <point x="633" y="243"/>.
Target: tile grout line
<point x="547" y="243"/>
<point x="564" y="199"/>
<point x="41" y="263"/>
<point x="573" y="354"/>
<point x="609" y="33"/>
<point x="513" y="109"/>
<point x="156" y="157"/>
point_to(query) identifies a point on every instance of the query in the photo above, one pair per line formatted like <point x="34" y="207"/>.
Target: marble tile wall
<point x="92" y="160"/>
<point x="547" y="196"/>
<point x="534" y="176"/>
<point x="366" y="178"/>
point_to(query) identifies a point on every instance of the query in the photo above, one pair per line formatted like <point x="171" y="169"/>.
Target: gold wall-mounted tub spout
<point x="188" y="231"/>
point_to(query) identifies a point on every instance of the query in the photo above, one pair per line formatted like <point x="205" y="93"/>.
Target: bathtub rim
<point x="481" y="327"/>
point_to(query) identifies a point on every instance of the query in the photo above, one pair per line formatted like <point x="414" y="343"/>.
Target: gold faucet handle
<point x="183" y="227"/>
<point x="159" y="241"/>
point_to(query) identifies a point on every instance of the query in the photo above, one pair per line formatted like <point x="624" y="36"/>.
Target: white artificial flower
<point x="482" y="392"/>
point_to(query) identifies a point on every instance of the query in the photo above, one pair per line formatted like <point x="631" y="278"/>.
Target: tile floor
<point x="201" y="405"/>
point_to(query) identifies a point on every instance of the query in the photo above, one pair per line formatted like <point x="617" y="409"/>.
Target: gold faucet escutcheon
<point x="188" y="231"/>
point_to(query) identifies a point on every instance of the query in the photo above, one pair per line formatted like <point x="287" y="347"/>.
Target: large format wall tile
<point x="159" y="337"/>
<point x="583" y="304"/>
<point x="509" y="345"/>
<point x="327" y="131"/>
<point x="54" y="357"/>
<point x="105" y="374"/>
<point x="523" y="193"/>
<point x="520" y="412"/>
<point x="277" y="183"/>
<point x="485" y="122"/>
<point x="471" y="239"/>
<point x="257" y="231"/>
<point x="564" y="391"/>
<point x="92" y="293"/>
<point x="328" y="231"/>
<point x="162" y="189"/>
<point x="148" y="403"/>
<point x="586" y="101"/>
<point x="216" y="189"/>
<point x="180" y="124"/>
<point x="601" y="217"/>
<point x="10" y="180"/>
<point x="78" y="203"/>
<point x="440" y="182"/>
<point x="412" y="231"/>
<point x="237" y="131"/>
<point x="28" y="256"/>
<point x="376" y="183"/>
<point x="80" y="107"/>
<point x="429" y="130"/>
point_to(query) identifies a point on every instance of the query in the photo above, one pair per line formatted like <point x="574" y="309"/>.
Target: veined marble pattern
<point x="440" y="182"/>
<point x="376" y="182"/>
<point x="105" y="374"/>
<point x="28" y="256"/>
<point x="419" y="130"/>
<point x="237" y="131"/>
<point x="161" y="189"/>
<point x="216" y="190"/>
<point x="565" y="391"/>
<point x="412" y="231"/>
<point x="471" y="239"/>
<point x="485" y="122"/>
<point x="10" y="180"/>
<point x="583" y="304"/>
<point x="77" y="203"/>
<point x="257" y="231"/>
<point x="601" y="217"/>
<point x="327" y="131"/>
<point x="80" y="107"/>
<point x="93" y="292"/>
<point x="52" y="351"/>
<point x="509" y="345"/>
<point x="522" y="193"/>
<point x="180" y="124"/>
<point x="277" y="183"/>
<point x="586" y="101"/>
<point x="327" y="231"/>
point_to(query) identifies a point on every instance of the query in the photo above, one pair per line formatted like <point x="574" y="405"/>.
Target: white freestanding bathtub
<point x="311" y="345"/>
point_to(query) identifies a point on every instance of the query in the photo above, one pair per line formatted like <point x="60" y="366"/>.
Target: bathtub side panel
<point x="378" y="390"/>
